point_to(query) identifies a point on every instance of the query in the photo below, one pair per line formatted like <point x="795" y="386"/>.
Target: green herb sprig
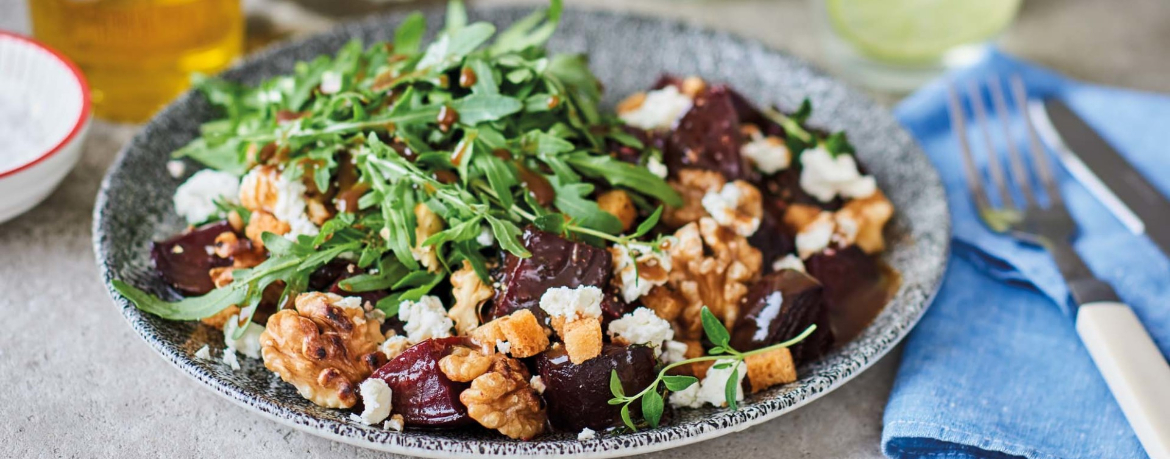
<point x="800" y="139"/>
<point x="652" y="398"/>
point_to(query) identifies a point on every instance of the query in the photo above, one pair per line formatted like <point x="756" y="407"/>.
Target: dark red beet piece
<point x="857" y="287"/>
<point x="577" y="395"/>
<point x="423" y="395"/>
<point x="708" y="137"/>
<point x="779" y="307"/>
<point x="184" y="260"/>
<point x="555" y="262"/>
<point x="773" y="239"/>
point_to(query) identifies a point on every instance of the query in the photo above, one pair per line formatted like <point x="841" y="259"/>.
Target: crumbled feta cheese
<point x="395" y="423"/>
<point x="485" y="238"/>
<point x="248" y="343"/>
<point x="376" y="400"/>
<point x="330" y="82"/>
<point x="769" y="154"/>
<point x="815" y="236"/>
<point x="503" y="346"/>
<point x="824" y="176"/>
<point x="660" y="109"/>
<point x="772" y="304"/>
<point x="722" y="205"/>
<point x="229" y="357"/>
<point x="625" y="260"/>
<point x="586" y="434"/>
<point x="674" y="351"/>
<point x="203" y="353"/>
<point x="425" y="319"/>
<point x="537" y="384"/>
<point x="195" y="199"/>
<point x="654" y="164"/>
<point x="847" y="228"/>
<point x="789" y="261"/>
<point x="572" y="303"/>
<point x="176" y="168"/>
<point x="393" y="346"/>
<point x="642" y="327"/>
<point x="349" y="302"/>
<point x="712" y="388"/>
<point x="290" y="207"/>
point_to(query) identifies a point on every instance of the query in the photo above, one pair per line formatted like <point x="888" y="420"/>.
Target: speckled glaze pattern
<point x="628" y="53"/>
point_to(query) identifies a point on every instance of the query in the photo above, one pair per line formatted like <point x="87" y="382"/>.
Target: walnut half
<point x="503" y="399"/>
<point x="713" y="267"/>
<point x="322" y="348"/>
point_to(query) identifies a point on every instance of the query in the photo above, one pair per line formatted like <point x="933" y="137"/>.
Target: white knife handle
<point x="1136" y="372"/>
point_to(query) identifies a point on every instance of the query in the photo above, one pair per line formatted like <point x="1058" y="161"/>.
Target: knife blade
<point x="1105" y="173"/>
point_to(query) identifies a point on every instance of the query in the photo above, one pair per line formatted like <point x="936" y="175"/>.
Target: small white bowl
<point x="44" y="116"/>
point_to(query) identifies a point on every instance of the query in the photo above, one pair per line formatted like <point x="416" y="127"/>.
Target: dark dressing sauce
<point x="447" y="118"/>
<point x="853" y="309"/>
<point x="467" y="78"/>
<point x="537" y="186"/>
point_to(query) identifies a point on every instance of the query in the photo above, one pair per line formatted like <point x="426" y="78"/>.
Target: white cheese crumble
<point x="815" y="236"/>
<point x="425" y="319"/>
<point x="537" y="384"/>
<point x="722" y="205"/>
<point x="290" y="208"/>
<point x="393" y="346"/>
<point x="229" y="357"/>
<point x="503" y="346"/>
<point x="772" y="304"/>
<point x="330" y="82"/>
<point x="195" y="199"/>
<point x="586" y="434"/>
<point x="395" y="423"/>
<point x="711" y="388"/>
<point x="659" y="110"/>
<point x="789" y="261"/>
<point x="642" y="327"/>
<point x="824" y="177"/>
<point x="625" y="268"/>
<point x="349" y="302"/>
<point x="485" y="238"/>
<point x="656" y="167"/>
<point x="176" y="168"/>
<point x="572" y="303"/>
<point x="377" y="400"/>
<point x="769" y="154"/>
<point x="248" y="343"/>
<point x="674" y="351"/>
<point x="203" y="353"/>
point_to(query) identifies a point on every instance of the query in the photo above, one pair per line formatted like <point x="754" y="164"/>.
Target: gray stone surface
<point x="78" y="383"/>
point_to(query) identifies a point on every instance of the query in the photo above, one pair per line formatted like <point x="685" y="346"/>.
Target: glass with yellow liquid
<point x="139" y="54"/>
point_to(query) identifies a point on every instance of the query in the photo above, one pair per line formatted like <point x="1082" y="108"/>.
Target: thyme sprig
<point x="652" y="398"/>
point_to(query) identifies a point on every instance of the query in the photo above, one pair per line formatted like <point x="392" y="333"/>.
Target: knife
<point x="1108" y="176"/>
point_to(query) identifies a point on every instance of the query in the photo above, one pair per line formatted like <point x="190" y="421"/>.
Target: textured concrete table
<point x="77" y="382"/>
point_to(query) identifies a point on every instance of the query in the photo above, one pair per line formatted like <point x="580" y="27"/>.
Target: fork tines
<point x="1015" y="161"/>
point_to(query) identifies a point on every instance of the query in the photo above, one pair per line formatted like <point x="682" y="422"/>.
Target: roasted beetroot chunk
<point x="708" y="137"/>
<point x="555" y="262"/>
<point x="184" y="261"/>
<point x="779" y="307"/>
<point x="423" y="395"/>
<point x="577" y="395"/>
<point x="857" y="287"/>
<point x="773" y="238"/>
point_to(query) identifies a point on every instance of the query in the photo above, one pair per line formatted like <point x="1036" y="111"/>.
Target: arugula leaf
<point x="529" y="32"/>
<point x="622" y="174"/>
<point x="507" y="234"/>
<point x="226" y="157"/>
<point x="570" y="199"/>
<point x="648" y="224"/>
<point x="409" y="34"/>
<point x="837" y="143"/>
<point x="452" y="46"/>
<point x="477" y="108"/>
<point x="191" y="308"/>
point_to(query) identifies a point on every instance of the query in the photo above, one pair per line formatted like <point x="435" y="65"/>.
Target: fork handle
<point x="1133" y="367"/>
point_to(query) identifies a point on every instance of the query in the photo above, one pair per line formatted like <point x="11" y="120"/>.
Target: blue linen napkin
<point x="995" y="368"/>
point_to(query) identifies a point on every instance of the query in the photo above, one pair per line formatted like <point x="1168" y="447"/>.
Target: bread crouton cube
<point x="770" y="368"/>
<point x="582" y="339"/>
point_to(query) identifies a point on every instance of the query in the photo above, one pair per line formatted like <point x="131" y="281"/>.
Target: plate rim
<point x="173" y="355"/>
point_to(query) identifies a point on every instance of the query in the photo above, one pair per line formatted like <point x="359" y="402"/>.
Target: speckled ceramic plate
<point x="628" y="53"/>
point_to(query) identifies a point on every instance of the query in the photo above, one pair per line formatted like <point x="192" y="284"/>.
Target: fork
<point x="1133" y="367"/>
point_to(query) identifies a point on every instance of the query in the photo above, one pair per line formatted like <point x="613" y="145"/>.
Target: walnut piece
<point x="718" y="280"/>
<point x="691" y="185"/>
<point x="738" y="205"/>
<point x="242" y="253"/>
<point x="869" y="216"/>
<point x="520" y="330"/>
<point x="263" y="222"/>
<point x="503" y="399"/>
<point x="323" y="349"/>
<point x="464" y="364"/>
<point x="470" y="292"/>
<point x="429" y="223"/>
<point x="619" y="204"/>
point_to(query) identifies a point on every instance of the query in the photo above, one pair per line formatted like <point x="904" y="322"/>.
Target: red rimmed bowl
<point x="44" y="116"/>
